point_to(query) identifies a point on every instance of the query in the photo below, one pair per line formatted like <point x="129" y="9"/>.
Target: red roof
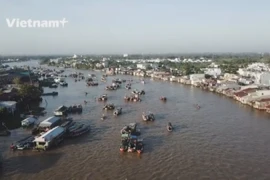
<point x="264" y="100"/>
<point x="240" y="94"/>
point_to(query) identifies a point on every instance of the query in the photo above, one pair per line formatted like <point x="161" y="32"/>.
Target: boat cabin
<point x="52" y="137"/>
<point x="50" y="122"/>
<point x="60" y="111"/>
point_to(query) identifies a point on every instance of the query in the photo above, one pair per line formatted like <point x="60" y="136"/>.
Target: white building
<point x="142" y="66"/>
<point x="55" y="60"/>
<point x="263" y="78"/>
<point x="213" y="71"/>
<point x="105" y="64"/>
<point x="196" y="78"/>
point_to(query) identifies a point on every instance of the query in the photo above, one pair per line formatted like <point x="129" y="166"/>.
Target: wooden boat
<point x="148" y="117"/>
<point x="109" y="107"/>
<point x="61" y="111"/>
<point x="169" y="127"/>
<point x="163" y="98"/>
<point x="53" y="86"/>
<point x="117" y="112"/>
<point x="54" y="93"/>
<point x="64" y="84"/>
<point x="103" y="97"/>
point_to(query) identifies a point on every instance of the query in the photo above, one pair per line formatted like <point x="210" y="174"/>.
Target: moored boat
<point x="54" y="93"/>
<point x="77" y="130"/>
<point x="29" y="121"/>
<point x="61" y="111"/>
<point x="49" y="139"/>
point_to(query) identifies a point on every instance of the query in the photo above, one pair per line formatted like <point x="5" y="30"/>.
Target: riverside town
<point x="77" y="99"/>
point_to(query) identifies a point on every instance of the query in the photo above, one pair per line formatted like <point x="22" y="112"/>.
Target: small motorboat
<point x="197" y="106"/>
<point x="139" y="147"/>
<point x="169" y="127"/>
<point x="53" y="86"/>
<point x="109" y="107"/>
<point x="124" y="145"/>
<point x="103" y="97"/>
<point x="163" y="98"/>
<point x="117" y="112"/>
<point x="103" y="117"/>
<point x="148" y="117"/>
<point x="64" y="84"/>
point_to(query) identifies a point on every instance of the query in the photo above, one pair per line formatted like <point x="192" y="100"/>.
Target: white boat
<point x="28" y="121"/>
<point x="92" y="75"/>
<point x="50" y="138"/>
<point x="60" y="111"/>
<point x="59" y="79"/>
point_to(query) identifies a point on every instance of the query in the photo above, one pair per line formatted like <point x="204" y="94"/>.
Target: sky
<point x="138" y="26"/>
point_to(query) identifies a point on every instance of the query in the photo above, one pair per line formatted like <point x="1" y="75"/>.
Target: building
<point x="196" y="78"/>
<point x="263" y="78"/>
<point x="142" y="66"/>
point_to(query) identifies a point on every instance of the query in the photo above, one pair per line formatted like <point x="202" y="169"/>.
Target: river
<point x="222" y="140"/>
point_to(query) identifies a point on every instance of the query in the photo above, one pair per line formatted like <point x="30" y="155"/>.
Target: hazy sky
<point x="137" y="26"/>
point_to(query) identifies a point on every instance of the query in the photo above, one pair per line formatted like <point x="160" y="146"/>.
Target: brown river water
<point x="222" y="140"/>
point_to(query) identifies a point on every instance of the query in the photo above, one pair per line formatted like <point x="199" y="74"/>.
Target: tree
<point x="29" y="91"/>
<point x="17" y="81"/>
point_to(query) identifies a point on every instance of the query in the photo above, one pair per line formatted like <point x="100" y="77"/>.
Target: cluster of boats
<point x="93" y="83"/>
<point x="51" y="132"/>
<point x="77" y="75"/>
<point x="129" y="139"/>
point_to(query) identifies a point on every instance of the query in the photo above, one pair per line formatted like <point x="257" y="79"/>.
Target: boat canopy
<point x="50" y="134"/>
<point x="49" y="121"/>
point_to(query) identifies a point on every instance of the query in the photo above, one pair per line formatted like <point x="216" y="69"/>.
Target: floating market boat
<point x="49" y="139"/>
